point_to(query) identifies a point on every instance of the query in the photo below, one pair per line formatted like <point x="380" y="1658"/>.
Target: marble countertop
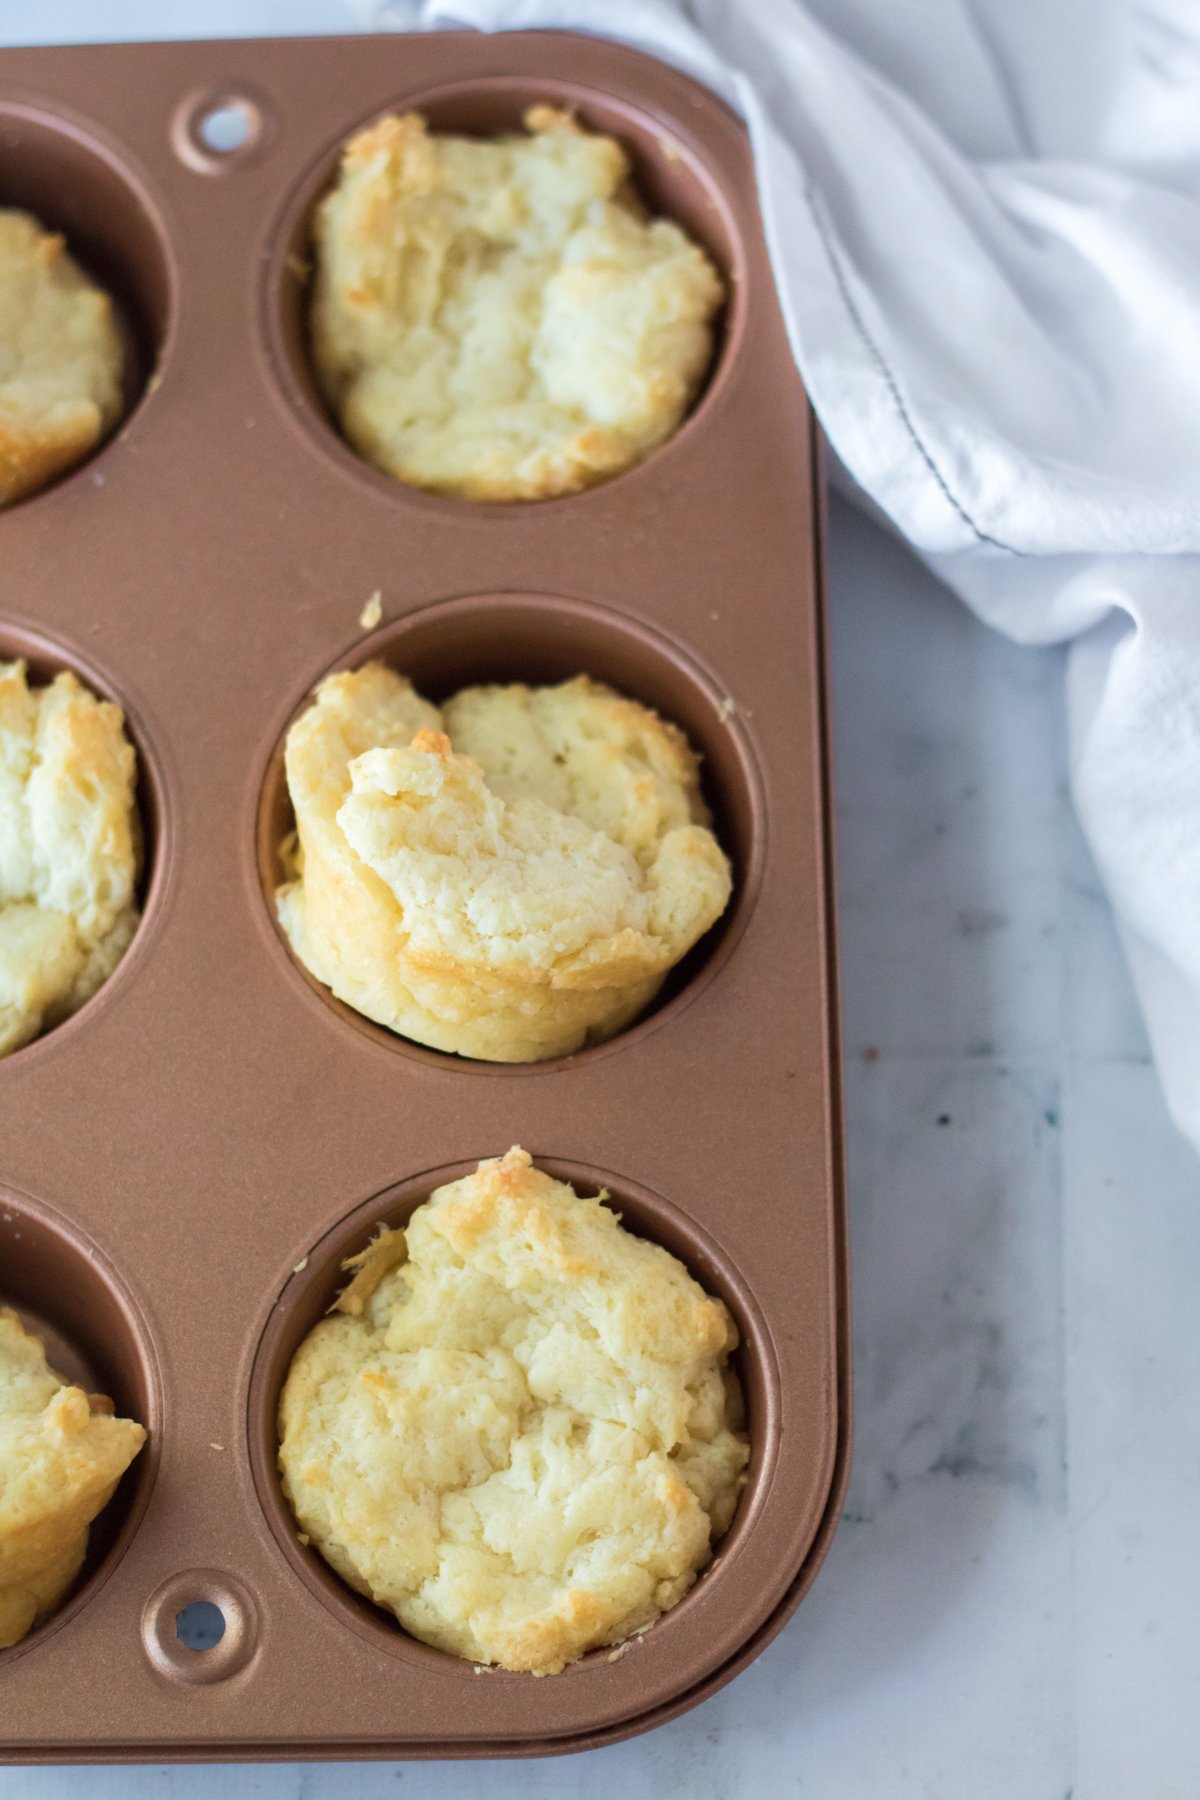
<point x="1009" y="1609"/>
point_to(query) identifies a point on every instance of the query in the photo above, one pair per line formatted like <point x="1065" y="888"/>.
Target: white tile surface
<point x="1010" y="1610"/>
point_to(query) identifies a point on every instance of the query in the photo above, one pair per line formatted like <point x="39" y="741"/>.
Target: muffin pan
<point x="184" y="1163"/>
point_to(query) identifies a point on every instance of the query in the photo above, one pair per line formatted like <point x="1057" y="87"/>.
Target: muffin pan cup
<point x="201" y="1144"/>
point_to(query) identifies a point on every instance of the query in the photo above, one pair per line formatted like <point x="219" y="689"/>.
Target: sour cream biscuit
<point x="509" y="877"/>
<point x="61" y="358"/>
<point x="497" y="317"/>
<point x="519" y="1432"/>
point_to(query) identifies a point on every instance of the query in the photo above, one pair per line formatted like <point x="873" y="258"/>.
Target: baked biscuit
<point x="69" y="849"/>
<point x="509" y="891"/>
<point x="519" y="1432"/>
<point x="61" y="1455"/>
<point x="61" y="359"/>
<point x="497" y="317"/>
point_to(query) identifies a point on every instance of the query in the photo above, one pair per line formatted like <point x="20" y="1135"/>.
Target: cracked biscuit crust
<point x="61" y="1455"/>
<point x="497" y="318"/>
<point x="61" y="359"/>
<point x="520" y="1434"/>
<point x="69" y="849"/>
<point x="509" y="877"/>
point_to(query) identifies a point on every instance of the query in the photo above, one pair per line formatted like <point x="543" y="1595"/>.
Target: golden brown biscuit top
<point x="496" y="317"/>
<point x="61" y="358"/>
<point x="61" y="1454"/>
<point x="556" y="834"/>
<point x="520" y="1432"/>
<point x="69" y="848"/>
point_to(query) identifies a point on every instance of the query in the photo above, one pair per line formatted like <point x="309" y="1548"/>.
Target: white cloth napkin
<point x="984" y="217"/>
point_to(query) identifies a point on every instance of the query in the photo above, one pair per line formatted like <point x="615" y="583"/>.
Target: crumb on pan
<point x="509" y="876"/>
<point x="498" y="318"/>
<point x="372" y="611"/>
<point x="69" y="849"/>
<point x="61" y="361"/>
<point x="61" y="1456"/>
<point x="527" y="1438"/>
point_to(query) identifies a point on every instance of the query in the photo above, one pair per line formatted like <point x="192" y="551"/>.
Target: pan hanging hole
<point x="200" y="1625"/>
<point x="216" y="133"/>
<point x="224" y="129"/>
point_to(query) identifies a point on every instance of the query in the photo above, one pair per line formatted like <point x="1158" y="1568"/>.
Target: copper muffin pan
<point x="185" y="1162"/>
